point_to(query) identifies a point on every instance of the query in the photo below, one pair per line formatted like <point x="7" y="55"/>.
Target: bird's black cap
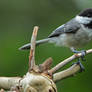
<point x="86" y="13"/>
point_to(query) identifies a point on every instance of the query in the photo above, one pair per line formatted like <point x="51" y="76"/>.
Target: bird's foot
<point x="83" y="52"/>
<point x="82" y="68"/>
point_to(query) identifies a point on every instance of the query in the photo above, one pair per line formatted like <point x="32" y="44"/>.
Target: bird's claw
<point x="83" y="52"/>
<point x="81" y="66"/>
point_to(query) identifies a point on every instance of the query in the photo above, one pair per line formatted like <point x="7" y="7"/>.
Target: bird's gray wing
<point x="57" y="31"/>
<point x="70" y="27"/>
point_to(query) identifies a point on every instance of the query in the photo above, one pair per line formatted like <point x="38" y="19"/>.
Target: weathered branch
<point x="66" y="73"/>
<point x="40" y="78"/>
<point x="32" y="49"/>
<point x="8" y="82"/>
<point x="66" y="61"/>
<point x="32" y="82"/>
<point x="46" y="65"/>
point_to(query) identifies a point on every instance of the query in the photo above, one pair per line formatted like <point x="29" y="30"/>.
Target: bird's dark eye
<point x="89" y="15"/>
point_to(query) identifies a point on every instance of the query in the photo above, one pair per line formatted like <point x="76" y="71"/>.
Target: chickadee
<point x="74" y="34"/>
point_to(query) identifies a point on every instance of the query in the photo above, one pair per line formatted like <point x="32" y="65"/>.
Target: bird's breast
<point x="76" y="40"/>
<point x="80" y="38"/>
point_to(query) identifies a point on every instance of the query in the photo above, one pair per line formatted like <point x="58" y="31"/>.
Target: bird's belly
<point x="79" y="39"/>
<point x="76" y="40"/>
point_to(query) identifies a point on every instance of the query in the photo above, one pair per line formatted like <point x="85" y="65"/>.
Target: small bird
<point x="74" y="34"/>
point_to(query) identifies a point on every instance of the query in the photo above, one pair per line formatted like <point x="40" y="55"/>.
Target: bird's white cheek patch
<point x="83" y="20"/>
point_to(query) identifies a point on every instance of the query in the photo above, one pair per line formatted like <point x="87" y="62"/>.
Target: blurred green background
<point x="17" y="19"/>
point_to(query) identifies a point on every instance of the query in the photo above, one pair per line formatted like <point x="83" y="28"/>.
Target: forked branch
<point x="66" y="73"/>
<point x="66" y="61"/>
<point x="40" y="78"/>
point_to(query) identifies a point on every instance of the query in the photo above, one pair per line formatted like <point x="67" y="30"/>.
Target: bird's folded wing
<point x="70" y="27"/>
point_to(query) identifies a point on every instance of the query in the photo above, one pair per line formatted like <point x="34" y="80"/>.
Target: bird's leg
<point x="81" y="66"/>
<point x="83" y="52"/>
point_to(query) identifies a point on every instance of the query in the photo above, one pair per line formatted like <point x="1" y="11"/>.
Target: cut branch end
<point x="32" y="48"/>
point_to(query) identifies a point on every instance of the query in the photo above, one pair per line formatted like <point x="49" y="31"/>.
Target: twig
<point x="63" y="63"/>
<point x="66" y="73"/>
<point x="8" y="82"/>
<point x="32" y="49"/>
<point x="46" y="65"/>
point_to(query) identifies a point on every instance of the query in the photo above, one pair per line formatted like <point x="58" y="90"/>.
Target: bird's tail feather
<point x="27" y="46"/>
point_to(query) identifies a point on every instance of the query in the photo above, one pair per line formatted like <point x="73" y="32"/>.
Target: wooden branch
<point x="46" y="65"/>
<point x="66" y="73"/>
<point x="39" y="78"/>
<point x="31" y="82"/>
<point x="63" y="63"/>
<point x="8" y="82"/>
<point x="32" y="49"/>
